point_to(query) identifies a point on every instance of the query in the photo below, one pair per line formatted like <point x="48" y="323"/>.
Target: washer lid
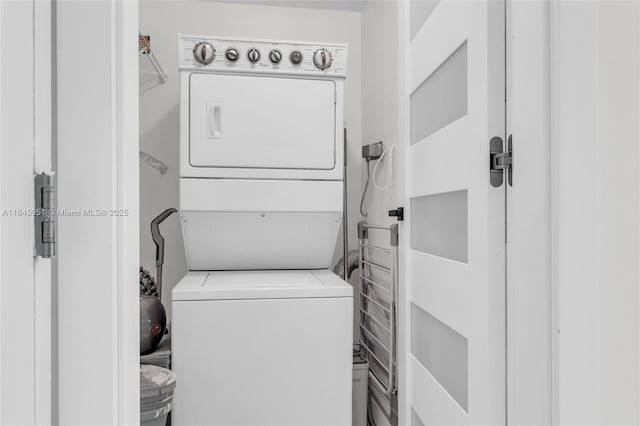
<point x="228" y="285"/>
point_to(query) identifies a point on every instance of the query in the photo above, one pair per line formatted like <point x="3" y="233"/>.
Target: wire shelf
<point x="152" y="161"/>
<point x="144" y="48"/>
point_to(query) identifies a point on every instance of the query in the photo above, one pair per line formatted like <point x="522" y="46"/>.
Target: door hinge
<point x="500" y="161"/>
<point x="45" y="217"/>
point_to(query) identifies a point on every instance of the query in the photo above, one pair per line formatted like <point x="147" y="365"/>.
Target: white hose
<point x="389" y="174"/>
<point x="364" y="193"/>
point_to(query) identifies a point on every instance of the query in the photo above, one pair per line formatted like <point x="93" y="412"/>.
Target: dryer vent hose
<point x="353" y="261"/>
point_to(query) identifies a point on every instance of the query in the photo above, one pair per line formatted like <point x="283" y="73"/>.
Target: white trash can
<point x="156" y="394"/>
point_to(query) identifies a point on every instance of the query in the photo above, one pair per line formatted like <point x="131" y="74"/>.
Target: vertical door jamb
<point x="43" y="279"/>
<point x="97" y="159"/>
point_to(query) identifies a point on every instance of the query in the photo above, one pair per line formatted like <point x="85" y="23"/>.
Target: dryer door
<point x="257" y="122"/>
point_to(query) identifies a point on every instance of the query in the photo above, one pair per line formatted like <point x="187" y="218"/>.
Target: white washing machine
<point x="262" y="348"/>
<point x="262" y="330"/>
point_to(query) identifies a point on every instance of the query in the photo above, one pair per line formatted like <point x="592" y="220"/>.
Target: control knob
<point x="253" y="55"/>
<point x="204" y="52"/>
<point x="296" y="57"/>
<point x="232" y="54"/>
<point x="275" y="56"/>
<point x="322" y="59"/>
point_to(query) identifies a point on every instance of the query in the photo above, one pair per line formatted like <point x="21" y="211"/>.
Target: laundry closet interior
<point x="247" y="112"/>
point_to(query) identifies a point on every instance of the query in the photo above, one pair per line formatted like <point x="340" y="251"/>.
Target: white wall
<point x="619" y="210"/>
<point x="380" y="105"/>
<point x="159" y="107"/>
<point x="596" y="208"/>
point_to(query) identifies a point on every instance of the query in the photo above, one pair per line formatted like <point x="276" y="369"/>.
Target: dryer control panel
<point x="264" y="56"/>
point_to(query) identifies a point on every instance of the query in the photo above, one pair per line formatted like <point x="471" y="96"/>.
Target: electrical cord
<point x="389" y="174"/>
<point x="364" y="193"/>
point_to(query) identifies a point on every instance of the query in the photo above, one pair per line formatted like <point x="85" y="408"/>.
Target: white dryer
<point x="261" y="152"/>
<point x="262" y="330"/>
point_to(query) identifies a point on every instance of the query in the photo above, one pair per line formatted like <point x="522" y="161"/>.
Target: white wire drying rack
<point x="378" y="294"/>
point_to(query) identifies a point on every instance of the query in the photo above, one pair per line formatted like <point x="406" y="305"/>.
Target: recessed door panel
<point x="259" y="122"/>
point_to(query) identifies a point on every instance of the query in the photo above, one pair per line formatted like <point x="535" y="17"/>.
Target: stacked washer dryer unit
<point x="262" y="330"/>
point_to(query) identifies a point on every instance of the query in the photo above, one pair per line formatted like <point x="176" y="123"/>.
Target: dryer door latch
<point x="397" y="213"/>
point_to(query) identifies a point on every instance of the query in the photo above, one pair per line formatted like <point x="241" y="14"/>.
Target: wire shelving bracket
<point x="144" y="48"/>
<point x="152" y="161"/>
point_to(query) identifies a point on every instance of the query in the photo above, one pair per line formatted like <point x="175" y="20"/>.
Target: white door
<point x="25" y="150"/>
<point x="454" y="100"/>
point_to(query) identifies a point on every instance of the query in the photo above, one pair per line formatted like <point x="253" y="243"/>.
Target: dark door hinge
<point x="500" y="161"/>
<point x="45" y="217"/>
